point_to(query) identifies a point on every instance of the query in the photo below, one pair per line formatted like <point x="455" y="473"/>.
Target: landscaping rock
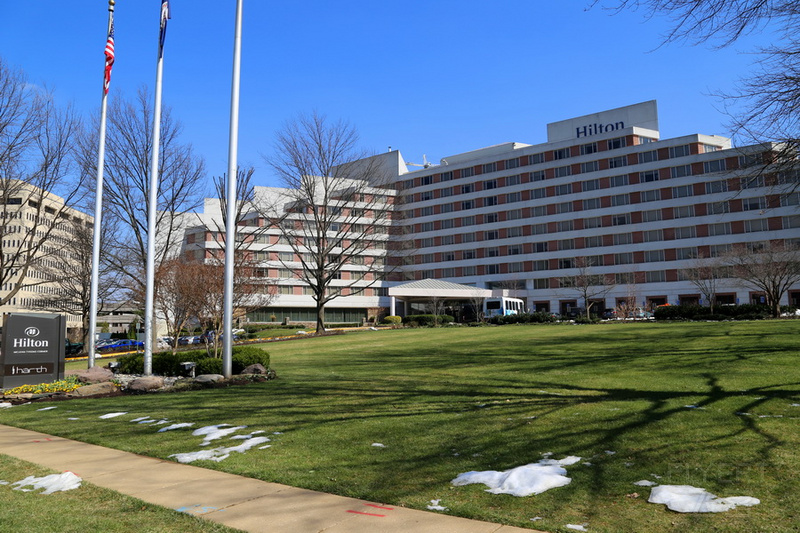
<point x="257" y="368"/>
<point x="209" y="378"/>
<point x="96" y="374"/>
<point x="94" y="389"/>
<point x="146" y="383"/>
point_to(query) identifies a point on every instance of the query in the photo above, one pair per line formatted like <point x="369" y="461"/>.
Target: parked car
<point x="188" y="340"/>
<point x="72" y="348"/>
<point x="122" y="345"/>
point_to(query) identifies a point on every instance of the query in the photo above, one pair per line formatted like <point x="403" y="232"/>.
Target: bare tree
<point x="771" y="268"/>
<point x="127" y="174"/>
<point x="336" y="210"/>
<point x="181" y="295"/>
<point x="706" y="274"/>
<point x="589" y="285"/>
<point x="38" y="186"/>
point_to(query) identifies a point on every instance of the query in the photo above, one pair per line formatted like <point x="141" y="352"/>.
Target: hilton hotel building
<point x="605" y="191"/>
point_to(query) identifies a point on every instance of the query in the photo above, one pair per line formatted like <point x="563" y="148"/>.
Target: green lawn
<point x="705" y="404"/>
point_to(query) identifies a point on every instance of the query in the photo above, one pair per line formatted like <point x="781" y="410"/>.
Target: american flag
<point x="165" y="14"/>
<point x="109" y="52"/>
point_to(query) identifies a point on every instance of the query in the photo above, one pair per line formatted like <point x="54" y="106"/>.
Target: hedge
<point x="540" y="317"/>
<point x="721" y="312"/>
<point x="427" y="320"/>
<point x="169" y="364"/>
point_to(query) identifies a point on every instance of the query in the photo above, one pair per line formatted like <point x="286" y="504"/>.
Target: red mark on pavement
<point x="368" y="514"/>
<point x="43" y="440"/>
<point x="379" y="507"/>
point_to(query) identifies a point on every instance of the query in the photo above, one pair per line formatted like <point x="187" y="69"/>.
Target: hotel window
<point x="761" y="224"/>
<point x="426" y="226"/>
<point x="516" y="267"/>
<point x="752" y="182"/>
<point x="449" y="256"/>
<point x="469" y="271"/>
<point x="468" y="221"/>
<point x="718" y="208"/>
<point x="537" y="175"/>
<point x="447" y="191"/>
<point x="591" y="185"/>
<point x="755" y="247"/>
<point x="514" y="231"/>
<point x="791" y="222"/>
<point x="561" y="153"/>
<point x="446" y="176"/>
<point x="513" y="197"/>
<point x="686" y="232"/>
<point x="686" y="253"/>
<point x="563" y="189"/>
<point x="561" y="172"/>
<point x="652" y="256"/>
<point x="489" y="218"/>
<point x="621" y="219"/>
<point x="540" y="247"/>
<point x="427" y="195"/>
<point x="490" y="184"/>
<point x="447" y="223"/>
<point x="679" y="151"/>
<point x="489" y="167"/>
<point x="618" y="181"/>
<point x="426" y="243"/>
<point x="655" y="276"/>
<point x="469" y="254"/>
<point x="566" y="262"/>
<point x="447" y="208"/>
<point x="514" y="214"/>
<point x="492" y="269"/>
<point x="653" y="215"/>
<point x="512" y="163"/>
<point x="683" y="211"/>
<point x="448" y="240"/>
<point x="617" y="162"/>
<point x="708" y="148"/>
<point x="565" y="225"/>
<point x="467" y="188"/>
<point x="490" y="235"/>
<point x="754" y="204"/>
<point x="622" y="238"/>
<point x="593" y="222"/>
<point x="538" y="193"/>
<point x="467" y="237"/>
<point x="564" y="207"/>
<point x="538" y="229"/>
<point x="539" y="211"/>
<point x="683" y="191"/>
<point x="467" y="172"/>
<point x="593" y="241"/>
<point x="515" y="249"/>
<point x="680" y="171"/>
<point x="624" y="278"/>
<point x="589" y="148"/>
<point x="566" y="244"/>
<point x="490" y="201"/>
<point x="427" y="180"/>
<point x="467" y="204"/>
<point x="541" y="283"/>
<point x="286" y="289"/>
<point x="512" y="180"/>
<point x="594" y="261"/>
<point x="426" y="211"/>
<point x="614" y="144"/>
<point x="493" y="252"/>
<point x="718" y="165"/>
<point x="621" y="199"/>
<point x="750" y="160"/>
<point x="648" y="157"/>
<point x="650" y="196"/>
<point x="541" y="264"/>
<point x="535" y="159"/>
<point x="591" y="203"/>
<point x="590" y="166"/>
<point x="716" y="186"/>
<point x="648" y="176"/>
<point x="653" y="235"/>
<point x="448" y="272"/>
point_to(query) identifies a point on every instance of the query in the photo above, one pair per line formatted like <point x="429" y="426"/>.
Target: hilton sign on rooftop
<point x="643" y="115"/>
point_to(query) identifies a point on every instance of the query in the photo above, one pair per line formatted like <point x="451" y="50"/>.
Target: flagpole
<point x="98" y="201"/>
<point x="152" y="204"/>
<point x="230" y="198"/>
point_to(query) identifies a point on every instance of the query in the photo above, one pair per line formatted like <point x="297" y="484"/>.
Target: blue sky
<point x="435" y="77"/>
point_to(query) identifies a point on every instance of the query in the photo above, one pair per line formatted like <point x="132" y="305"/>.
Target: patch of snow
<point x="218" y="454"/>
<point x="265" y="447"/>
<point x="533" y="478"/>
<point x="140" y="419"/>
<point x="248" y="436"/>
<point x="46" y="408"/>
<point x="215" y="432"/>
<point x="576" y="527"/>
<point x="176" y="426"/>
<point x="277" y="432"/>
<point x="5" y="405"/>
<point x="693" y="407"/>
<point x="3" y="482"/>
<point x="52" y="483"/>
<point x="112" y="415"/>
<point x="378" y="445"/>
<point x="688" y="499"/>
<point x="434" y="506"/>
<point x="609" y="452"/>
<point x="535" y="518"/>
<point x="645" y="483"/>
<point x="73" y="418"/>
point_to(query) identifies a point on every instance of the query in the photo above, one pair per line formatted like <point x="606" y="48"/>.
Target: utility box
<point x="32" y="349"/>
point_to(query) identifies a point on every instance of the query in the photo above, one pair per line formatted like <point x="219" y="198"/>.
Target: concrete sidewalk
<point x="239" y="502"/>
